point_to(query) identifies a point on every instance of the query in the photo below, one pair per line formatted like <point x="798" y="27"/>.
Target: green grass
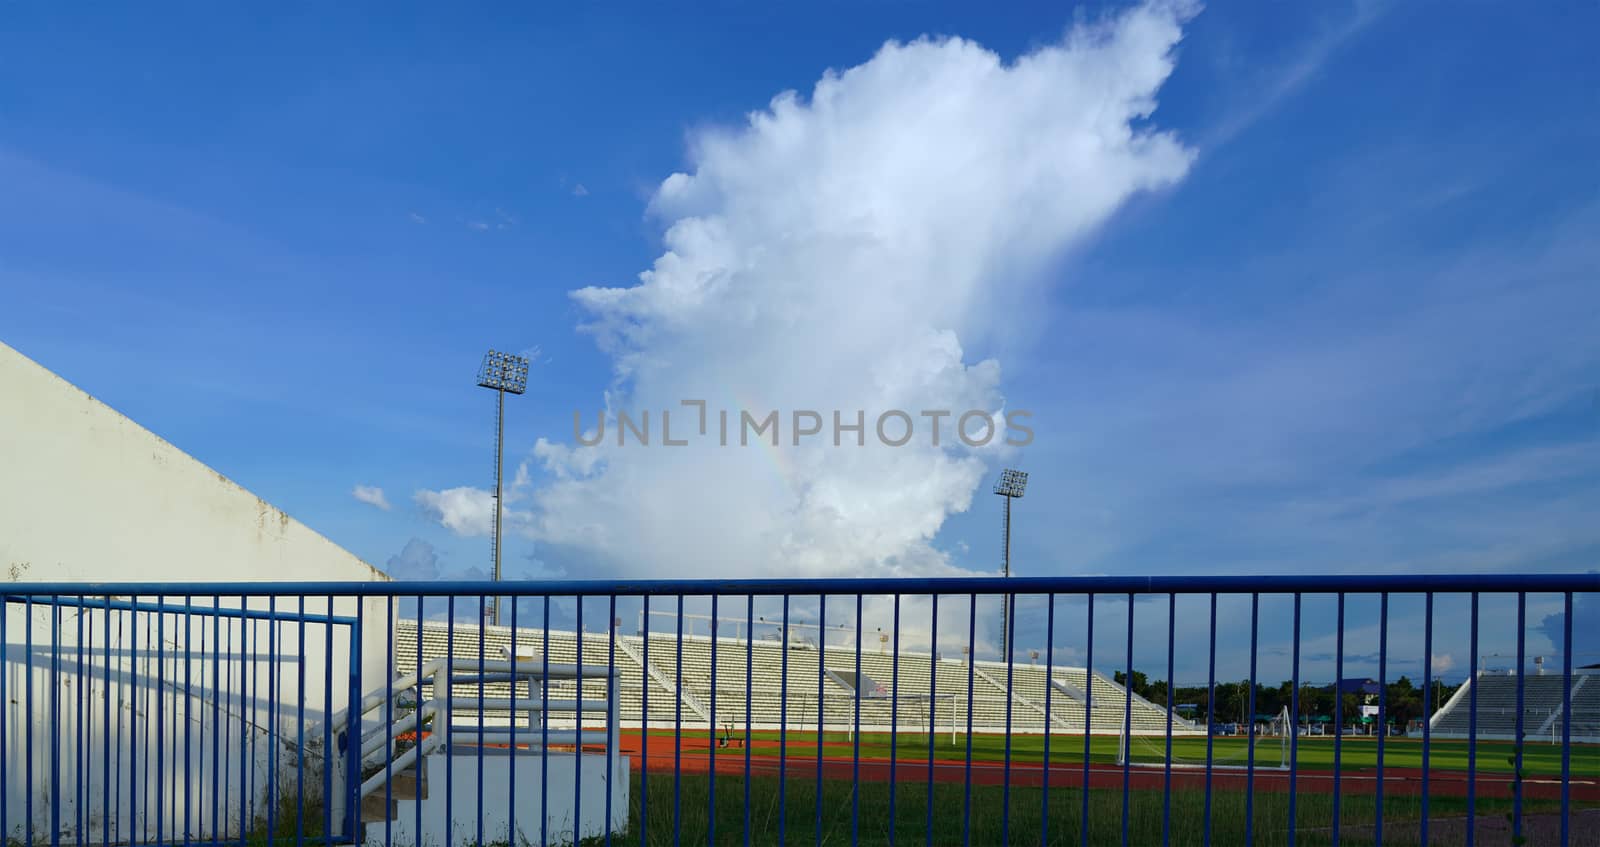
<point x="951" y="812"/>
<point x="1315" y="752"/>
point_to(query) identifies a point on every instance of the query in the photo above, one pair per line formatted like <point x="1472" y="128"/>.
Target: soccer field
<point x="1312" y="753"/>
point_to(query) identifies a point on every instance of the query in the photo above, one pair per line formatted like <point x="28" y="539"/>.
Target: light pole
<point x="1011" y="486"/>
<point x="506" y="373"/>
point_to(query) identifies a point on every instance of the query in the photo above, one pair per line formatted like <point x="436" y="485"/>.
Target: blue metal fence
<point x="388" y="713"/>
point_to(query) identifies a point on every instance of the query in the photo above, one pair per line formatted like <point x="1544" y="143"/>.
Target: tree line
<point x="1405" y="701"/>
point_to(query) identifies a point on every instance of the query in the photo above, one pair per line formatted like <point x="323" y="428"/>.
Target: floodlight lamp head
<point x="1012" y="483"/>
<point x="504" y="372"/>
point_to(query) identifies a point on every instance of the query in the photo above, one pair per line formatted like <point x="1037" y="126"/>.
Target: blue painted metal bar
<point x="577" y="696"/>
<point x="1088" y="721"/>
<point x="55" y="722"/>
<point x="822" y="661"/>
<point x="353" y="731"/>
<point x="711" y="746"/>
<point x="217" y="826"/>
<point x="1166" y="777"/>
<point x="544" y="727"/>
<point x="749" y="692"/>
<point x="1271" y="584"/>
<point x="1009" y="644"/>
<point x="1428" y="696"/>
<point x="1472" y="731"/>
<point x="161" y="725"/>
<point x="783" y="731"/>
<point x="514" y="759"/>
<point x="483" y="636"/>
<point x="855" y="757"/>
<point x="1566" y="718"/>
<point x="1211" y="713"/>
<point x="82" y="737"/>
<point x="613" y="692"/>
<point x="1383" y="713"/>
<point x="105" y="749"/>
<point x="1250" y="755"/>
<point x="5" y="731"/>
<point x="677" y="730"/>
<point x="1127" y="725"/>
<point x="1049" y="685"/>
<point x="972" y="663"/>
<point x="327" y="720"/>
<point x="1294" y="737"/>
<point x="1338" y="712"/>
<point x="934" y="661"/>
<point x="894" y="716"/>
<point x="644" y="723"/>
<point x="273" y="699"/>
<point x="1522" y="664"/>
<point x="188" y="703"/>
<point x="388" y="722"/>
<point x="300" y="719"/>
<point x="421" y="697"/>
<point x="449" y="724"/>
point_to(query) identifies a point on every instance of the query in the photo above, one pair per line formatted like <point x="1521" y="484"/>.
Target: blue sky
<point x="1344" y="319"/>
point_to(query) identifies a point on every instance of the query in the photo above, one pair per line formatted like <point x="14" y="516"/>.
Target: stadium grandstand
<point x="1543" y="711"/>
<point x="920" y="702"/>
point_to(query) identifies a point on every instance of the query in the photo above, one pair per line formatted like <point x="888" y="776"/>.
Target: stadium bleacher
<point x="769" y="690"/>
<point x="1542" y="708"/>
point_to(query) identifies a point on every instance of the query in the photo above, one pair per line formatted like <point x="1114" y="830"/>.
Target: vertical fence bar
<point x="1294" y="740"/>
<point x="1127" y="726"/>
<point x="188" y="701"/>
<point x="1472" y="730"/>
<point x="327" y="718"/>
<point x="1049" y="684"/>
<point x="1516" y="784"/>
<point x="217" y="828"/>
<point x="300" y="719"/>
<point x="274" y="692"/>
<point x="749" y="693"/>
<point x="1338" y="711"/>
<point x="420" y="697"/>
<point x="544" y="723"/>
<point x="894" y="715"/>
<point x="855" y="760"/>
<point x="1009" y="641"/>
<point x="1427" y="712"/>
<point x="1211" y="712"/>
<point x="1250" y="753"/>
<point x="5" y="729"/>
<point x="483" y="655"/>
<point x="353" y="703"/>
<point x="82" y="736"/>
<point x="105" y="749"/>
<point x="711" y="737"/>
<point x="613" y="695"/>
<point x="511" y="702"/>
<point x="577" y="749"/>
<point x="1088" y="720"/>
<point x="822" y="660"/>
<point x="972" y="663"/>
<point x="1566" y="718"/>
<point x="783" y="730"/>
<point x="161" y="718"/>
<point x="1166" y="776"/>
<point x="388" y="720"/>
<point x="449" y="672"/>
<point x="644" y="723"/>
<point x="677" y="731"/>
<point x="1383" y="712"/>
<point x="933" y="707"/>
<point x="55" y="720"/>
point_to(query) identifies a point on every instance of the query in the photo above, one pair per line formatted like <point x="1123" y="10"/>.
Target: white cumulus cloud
<point x="372" y="495"/>
<point x="843" y="250"/>
<point x="464" y="511"/>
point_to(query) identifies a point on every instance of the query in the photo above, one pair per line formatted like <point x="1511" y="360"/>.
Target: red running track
<point x="697" y="759"/>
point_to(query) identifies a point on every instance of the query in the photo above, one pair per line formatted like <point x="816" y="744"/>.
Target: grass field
<point x="866" y="816"/>
<point x="1315" y="752"/>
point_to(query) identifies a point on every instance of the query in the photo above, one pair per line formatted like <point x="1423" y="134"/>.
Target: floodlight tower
<point x="1011" y="486"/>
<point x="505" y="373"/>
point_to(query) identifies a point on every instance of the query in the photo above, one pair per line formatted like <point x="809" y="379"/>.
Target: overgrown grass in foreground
<point x="797" y="816"/>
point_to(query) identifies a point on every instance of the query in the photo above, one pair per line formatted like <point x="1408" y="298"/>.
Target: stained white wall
<point x="87" y="495"/>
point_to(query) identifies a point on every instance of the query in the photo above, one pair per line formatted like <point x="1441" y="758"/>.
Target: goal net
<point x="1229" y="747"/>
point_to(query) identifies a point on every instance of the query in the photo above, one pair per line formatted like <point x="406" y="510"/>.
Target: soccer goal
<point x="1229" y="746"/>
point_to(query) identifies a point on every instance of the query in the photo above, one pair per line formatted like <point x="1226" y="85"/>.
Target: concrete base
<point x="498" y="802"/>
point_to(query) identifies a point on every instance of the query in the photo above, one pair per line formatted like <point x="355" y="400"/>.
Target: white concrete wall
<point x="87" y="495"/>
